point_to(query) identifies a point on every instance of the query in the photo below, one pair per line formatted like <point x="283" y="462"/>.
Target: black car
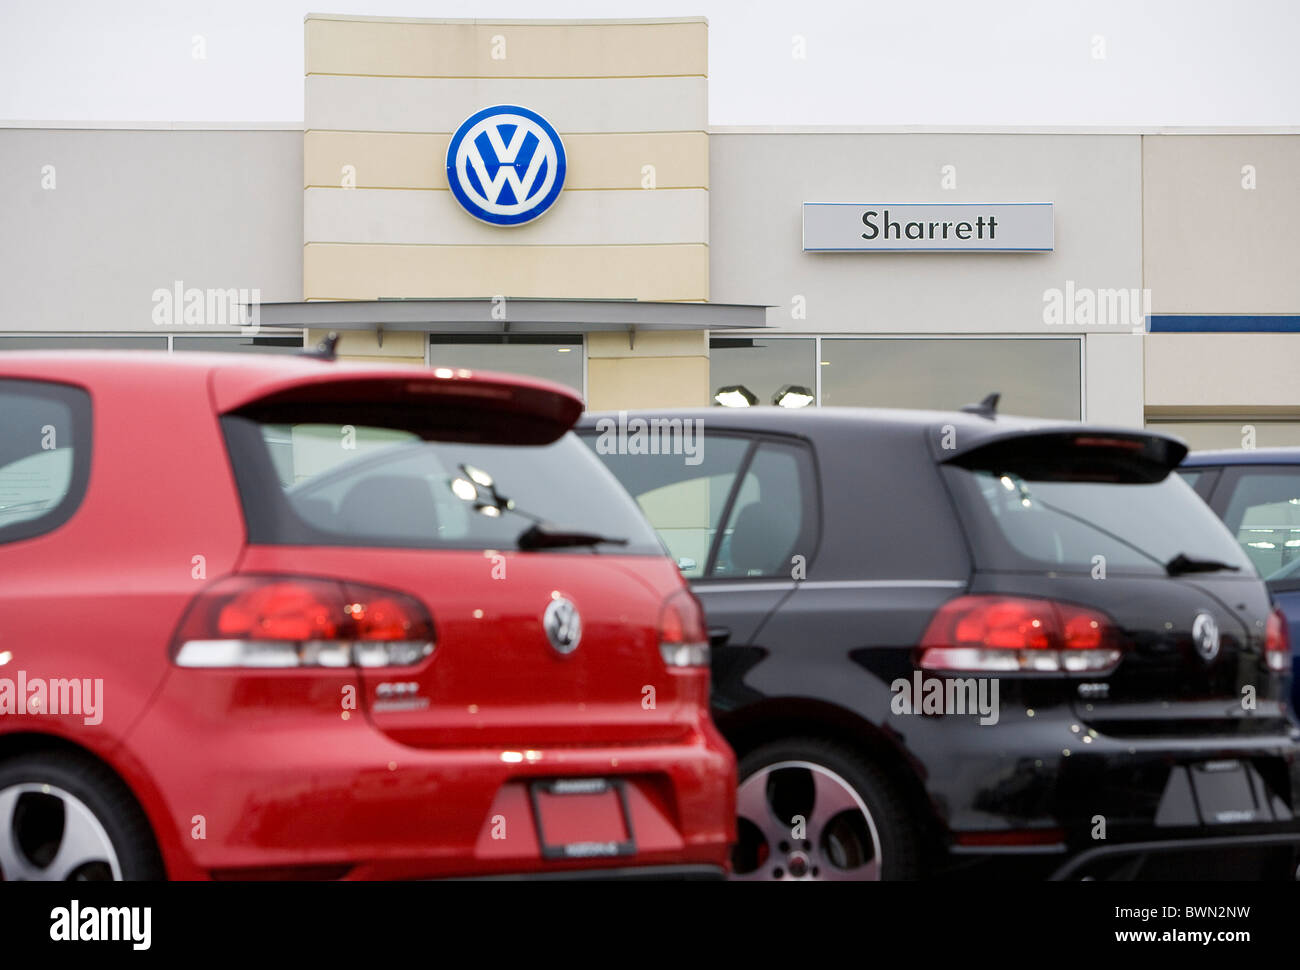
<point x="965" y="644"/>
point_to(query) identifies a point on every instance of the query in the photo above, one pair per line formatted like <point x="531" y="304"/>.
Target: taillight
<point x="683" y="637"/>
<point x="1012" y="634"/>
<point x="1277" y="643"/>
<point x="280" y="621"/>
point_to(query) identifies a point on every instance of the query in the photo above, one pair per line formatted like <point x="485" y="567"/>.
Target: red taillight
<point x="280" y="610"/>
<point x="1006" y="634"/>
<point x="1277" y="642"/>
<point x="384" y="616"/>
<point x="277" y="621"/>
<point x="683" y="636"/>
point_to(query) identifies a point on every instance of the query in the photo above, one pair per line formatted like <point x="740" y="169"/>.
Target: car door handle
<point x="718" y="636"/>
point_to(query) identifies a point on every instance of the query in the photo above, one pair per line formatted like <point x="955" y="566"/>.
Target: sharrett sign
<point x="928" y="227"/>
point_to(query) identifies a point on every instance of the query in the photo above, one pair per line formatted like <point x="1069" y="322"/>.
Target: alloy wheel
<point x="48" y="834"/>
<point x="798" y="820"/>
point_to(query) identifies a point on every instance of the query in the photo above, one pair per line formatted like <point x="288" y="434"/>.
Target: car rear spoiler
<point x="441" y="402"/>
<point x="1067" y="453"/>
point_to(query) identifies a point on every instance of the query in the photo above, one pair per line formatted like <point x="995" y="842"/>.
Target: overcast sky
<point x="902" y="62"/>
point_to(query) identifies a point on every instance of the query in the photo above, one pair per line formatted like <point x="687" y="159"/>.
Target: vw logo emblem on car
<point x="505" y="165"/>
<point x="563" y="625"/>
<point x="1205" y="634"/>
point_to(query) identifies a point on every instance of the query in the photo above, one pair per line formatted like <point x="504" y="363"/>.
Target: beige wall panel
<point x="1222" y="370"/>
<point x="570" y="104"/>
<point x="616" y="218"/>
<point x="1201" y="435"/>
<point x="364" y="344"/>
<point x="372" y="359"/>
<point x="1210" y="245"/>
<point x="466" y="49"/>
<point x="651" y="343"/>
<point x="355" y="272"/>
<point x="647" y="382"/>
<point x="409" y="160"/>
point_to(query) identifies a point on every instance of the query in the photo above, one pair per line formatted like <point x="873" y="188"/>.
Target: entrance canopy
<point x="489" y="315"/>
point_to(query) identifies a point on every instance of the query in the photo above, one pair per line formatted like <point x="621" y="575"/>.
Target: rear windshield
<point x="365" y="485"/>
<point x="1022" y="524"/>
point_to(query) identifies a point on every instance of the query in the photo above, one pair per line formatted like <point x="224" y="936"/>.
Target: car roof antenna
<point x="327" y="349"/>
<point x="987" y="408"/>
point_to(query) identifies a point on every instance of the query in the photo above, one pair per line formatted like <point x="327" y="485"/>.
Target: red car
<point x="268" y="617"/>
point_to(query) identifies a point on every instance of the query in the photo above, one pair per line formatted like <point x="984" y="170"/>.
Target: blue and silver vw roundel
<point x="505" y="165"/>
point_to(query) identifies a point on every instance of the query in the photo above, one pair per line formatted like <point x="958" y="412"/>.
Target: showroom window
<point x="1036" y="377"/>
<point x="259" y="344"/>
<point x="1040" y="377"/>
<point x="279" y="342"/>
<point x="61" y="341"/>
<point x="781" y="371"/>
<point x="554" y="357"/>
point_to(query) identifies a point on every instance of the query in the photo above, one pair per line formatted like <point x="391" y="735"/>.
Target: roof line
<point x="508" y="22"/>
<point x="85" y="125"/>
<point x="1004" y="129"/>
<point x="145" y="125"/>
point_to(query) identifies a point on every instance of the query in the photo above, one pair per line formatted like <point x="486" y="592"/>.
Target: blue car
<point x="1257" y="495"/>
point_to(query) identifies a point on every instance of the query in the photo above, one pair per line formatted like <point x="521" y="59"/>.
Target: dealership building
<point x="549" y="197"/>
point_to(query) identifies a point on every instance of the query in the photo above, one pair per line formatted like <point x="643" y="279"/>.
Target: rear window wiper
<point x="1183" y="563"/>
<point x="539" y="535"/>
<point x="542" y="535"/>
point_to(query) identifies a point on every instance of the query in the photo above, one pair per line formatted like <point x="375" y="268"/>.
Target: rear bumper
<point x="1198" y="857"/>
<point x="1044" y="796"/>
<point x="272" y="789"/>
<point x="1146" y="858"/>
<point x="621" y="874"/>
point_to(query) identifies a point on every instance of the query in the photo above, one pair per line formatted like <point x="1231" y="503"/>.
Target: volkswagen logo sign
<point x="505" y="165"/>
<point x="1205" y="634"/>
<point x="563" y="625"/>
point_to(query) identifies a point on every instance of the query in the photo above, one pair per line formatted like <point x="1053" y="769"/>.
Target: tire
<point x="857" y="823"/>
<point x="65" y="816"/>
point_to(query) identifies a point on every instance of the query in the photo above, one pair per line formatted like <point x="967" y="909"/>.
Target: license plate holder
<point x="1229" y="792"/>
<point x="605" y="796"/>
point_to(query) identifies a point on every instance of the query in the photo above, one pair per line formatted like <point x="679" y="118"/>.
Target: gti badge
<point x="1205" y="634"/>
<point x="563" y="625"/>
<point x="505" y="165"/>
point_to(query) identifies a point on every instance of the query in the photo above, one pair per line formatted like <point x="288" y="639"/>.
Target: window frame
<point x="1225" y="486"/>
<point x="78" y="401"/>
<point x="809" y="478"/>
<point x="1207" y="479"/>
